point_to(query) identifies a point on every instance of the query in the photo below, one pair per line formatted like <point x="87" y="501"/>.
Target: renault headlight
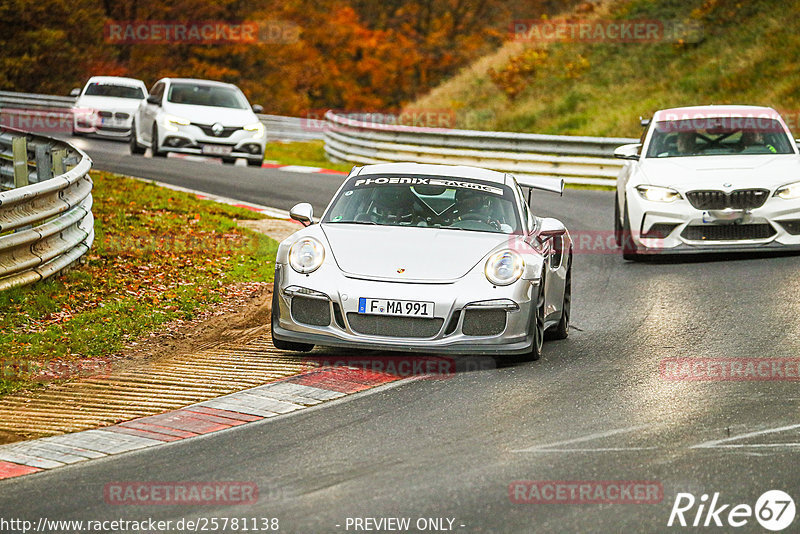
<point x="789" y="191"/>
<point x="504" y="267"/>
<point x="655" y="193"/>
<point x="257" y="128"/>
<point x="306" y="255"/>
<point x="171" y="122"/>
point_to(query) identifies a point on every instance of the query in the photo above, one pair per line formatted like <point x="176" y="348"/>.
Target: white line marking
<point x="746" y="445"/>
<point x="590" y="437"/>
<point x="606" y="449"/>
<point x="717" y="442"/>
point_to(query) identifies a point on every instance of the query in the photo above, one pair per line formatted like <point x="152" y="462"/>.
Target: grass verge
<point x="158" y="255"/>
<point x="307" y="153"/>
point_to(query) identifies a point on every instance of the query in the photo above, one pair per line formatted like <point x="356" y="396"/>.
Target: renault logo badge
<point x="217" y="128"/>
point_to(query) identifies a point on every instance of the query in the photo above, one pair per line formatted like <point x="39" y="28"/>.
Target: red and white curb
<point x="240" y="408"/>
<point x="266" y="165"/>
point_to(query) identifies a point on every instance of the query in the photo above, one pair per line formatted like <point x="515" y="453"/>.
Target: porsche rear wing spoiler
<point x="542" y="183"/>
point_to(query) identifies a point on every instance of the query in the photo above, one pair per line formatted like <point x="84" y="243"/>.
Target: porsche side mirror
<point x="549" y="227"/>
<point x="628" y="151"/>
<point x="75" y="92"/>
<point x="302" y="213"/>
<point x="152" y="99"/>
<point x="258" y="108"/>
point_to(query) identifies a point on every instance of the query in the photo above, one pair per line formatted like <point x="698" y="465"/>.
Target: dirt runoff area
<point x="225" y="349"/>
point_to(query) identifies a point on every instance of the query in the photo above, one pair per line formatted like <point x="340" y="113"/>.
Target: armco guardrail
<point x="46" y="221"/>
<point x="279" y="128"/>
<point x="581" y="160"/>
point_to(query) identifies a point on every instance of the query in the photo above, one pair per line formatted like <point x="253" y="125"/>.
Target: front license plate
<point x="406" y="308"/>
<point x="217" y="150"/>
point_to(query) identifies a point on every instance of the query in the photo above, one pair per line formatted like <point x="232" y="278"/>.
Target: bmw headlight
<point x="789" y="191"/>
<point x="306" y="255"/>
<point x="171" y="122"/>
<point x="257" y="128"/>
<point x="655" y="193"/>
<point x="504" y="267"/>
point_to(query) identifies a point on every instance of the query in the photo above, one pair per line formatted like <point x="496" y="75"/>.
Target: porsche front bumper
<point x="470" y="315"/>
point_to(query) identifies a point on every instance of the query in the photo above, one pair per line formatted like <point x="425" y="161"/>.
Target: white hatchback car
<point x="106" y="106"/>
<point x="709" y="179"/>
<point x="199" y="117"/>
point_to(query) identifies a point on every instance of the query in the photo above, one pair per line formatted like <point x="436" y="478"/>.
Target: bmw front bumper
<point x="775" y="226"/>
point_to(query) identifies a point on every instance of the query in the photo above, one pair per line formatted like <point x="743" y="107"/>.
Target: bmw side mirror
<point x="628" y="151"/>
<point x="302" y="213"/>
<point x="549" y="227"/>
<point x="154" y="100"/>
<point x="257" y="108"/>
<point x="75" y="92"/>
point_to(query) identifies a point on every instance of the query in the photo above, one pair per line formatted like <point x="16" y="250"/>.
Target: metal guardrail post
<point x="44" y="163"/>
<point x="19" y="151"/>
<point x="59" y="156"/>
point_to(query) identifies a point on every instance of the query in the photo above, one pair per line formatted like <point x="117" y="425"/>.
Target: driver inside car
<point x="475" y="206"/>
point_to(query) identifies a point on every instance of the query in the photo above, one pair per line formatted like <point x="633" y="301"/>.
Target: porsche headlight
<point x="789" y="192"/>
<point x="306" y="255"/>
<point x="171" y="122"/>
<point x="658" y="194"/>
<point x="504" y="267"/>
<point x="257" y="128"/>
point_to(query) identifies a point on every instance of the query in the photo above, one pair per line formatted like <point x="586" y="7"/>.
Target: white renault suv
<point x="709" y="179"/>
<point x="200" y="117"/>
<point x="105" y="106"/>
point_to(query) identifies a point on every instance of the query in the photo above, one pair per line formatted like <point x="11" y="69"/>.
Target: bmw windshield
<point x="114" y="91"/>
<point x="718" y="136"/>
<point x="426" y="202"/>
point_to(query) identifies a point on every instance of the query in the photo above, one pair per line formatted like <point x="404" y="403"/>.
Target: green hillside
<point x="748" y="53"/>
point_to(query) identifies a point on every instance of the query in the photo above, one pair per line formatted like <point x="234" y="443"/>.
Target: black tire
<point x="617" y="224"/>
<point x="154" y="144"/>
<point x="561" y="330"/>
<point x="255" y="162"/>
<point x="629" y="249"/>
<point x="280" y="344"/>
<point x="537" y="326"/>
<point x="136" y="148"/>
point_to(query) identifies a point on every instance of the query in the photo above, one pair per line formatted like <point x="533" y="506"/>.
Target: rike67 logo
<point x="774" y="510"/>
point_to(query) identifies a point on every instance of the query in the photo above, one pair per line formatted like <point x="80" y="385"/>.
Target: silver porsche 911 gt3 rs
<point x="428" y="258"/>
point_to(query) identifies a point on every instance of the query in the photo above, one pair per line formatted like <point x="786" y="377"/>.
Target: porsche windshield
<point x="718" y="136"/>
<point x="440" y="202"/>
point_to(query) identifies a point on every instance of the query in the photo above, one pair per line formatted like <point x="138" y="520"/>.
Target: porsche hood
<point x="409" y="253"/>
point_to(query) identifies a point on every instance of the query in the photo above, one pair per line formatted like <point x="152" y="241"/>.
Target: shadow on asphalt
<point x="708" y="257"/>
